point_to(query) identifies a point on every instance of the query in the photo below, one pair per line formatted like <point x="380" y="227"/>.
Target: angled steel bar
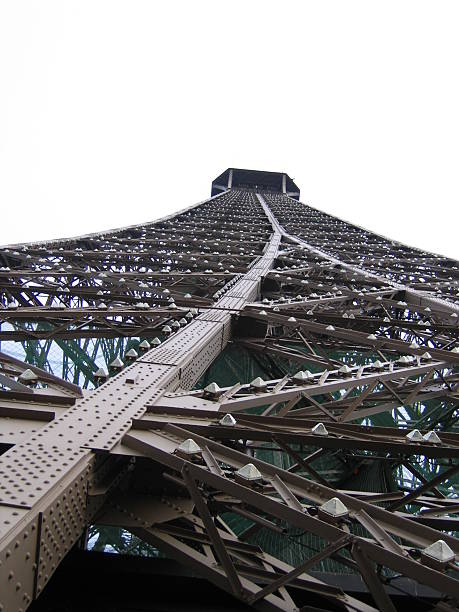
<point x="300" y="487"/>
<point x="427" y="486"/>
<point x="283" y="580"/>
<point x="372" y="581"/>
<point x="296" y="517"/>
<point x="212" y="531"/>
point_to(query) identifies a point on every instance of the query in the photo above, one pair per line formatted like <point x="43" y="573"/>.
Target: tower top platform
<point x="279" y="182"/>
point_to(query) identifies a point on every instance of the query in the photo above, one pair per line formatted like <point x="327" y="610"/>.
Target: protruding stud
<point x="101" y="374"/>
<point x="249" y="473"/>
<point x="117" y="364"/>
<point x="188" y="449"/>
<point x="212" y="390"/>
<point x="320" y="430"/>
<point x="28" y="376"/>
<point x="302" y="376"/>
<point x="228" y="420"/>
<point x="432" y="437"/>
<point x="405" y="360"/>
<point x="437" y="555"/>
<point x="333" y="510"/>
<point x="415" y="436"/>
<point x="258" y="384"/>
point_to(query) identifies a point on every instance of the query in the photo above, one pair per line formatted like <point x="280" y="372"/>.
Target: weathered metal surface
<point x="331" y="297"/>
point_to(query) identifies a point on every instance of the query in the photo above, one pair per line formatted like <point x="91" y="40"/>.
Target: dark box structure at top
<point x="259" y="180"/>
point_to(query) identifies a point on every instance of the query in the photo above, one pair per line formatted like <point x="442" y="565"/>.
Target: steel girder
<point x="375" y="343"/>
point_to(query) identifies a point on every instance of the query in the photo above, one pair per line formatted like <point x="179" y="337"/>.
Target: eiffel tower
<point x="251" y="402"/>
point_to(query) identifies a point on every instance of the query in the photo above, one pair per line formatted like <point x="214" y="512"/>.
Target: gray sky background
<point x="114" y="113"/>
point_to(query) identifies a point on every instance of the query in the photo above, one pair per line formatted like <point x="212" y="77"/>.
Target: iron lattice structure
<point x="256" y="389"/>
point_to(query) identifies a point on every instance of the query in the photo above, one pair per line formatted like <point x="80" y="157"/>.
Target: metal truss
<point x="361" y="335"/>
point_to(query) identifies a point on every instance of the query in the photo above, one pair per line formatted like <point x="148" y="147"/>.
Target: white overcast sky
<point x="114" y="113"/>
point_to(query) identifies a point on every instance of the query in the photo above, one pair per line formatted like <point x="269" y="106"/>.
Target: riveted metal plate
<point x="146" y="375"/>
<point x="178" y="348"/>
<point x="219" y="316"/>
<point x="115" y="413"/>
<point x="246" y="290"/>
<point x="17" y="560"/>
<point x="29" y="471"/>
<point x="226" y="335"/>
<point x="61" y="525"/>
<point x="232" y="304"/>
<point x="162" y="356"/>
<point x="13" y="431"/>
<point x="99" y="420"/>
<point x="201" y="361"/>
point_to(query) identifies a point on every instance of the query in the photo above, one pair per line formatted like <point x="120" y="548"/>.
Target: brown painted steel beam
<point x="86" y="450"/>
